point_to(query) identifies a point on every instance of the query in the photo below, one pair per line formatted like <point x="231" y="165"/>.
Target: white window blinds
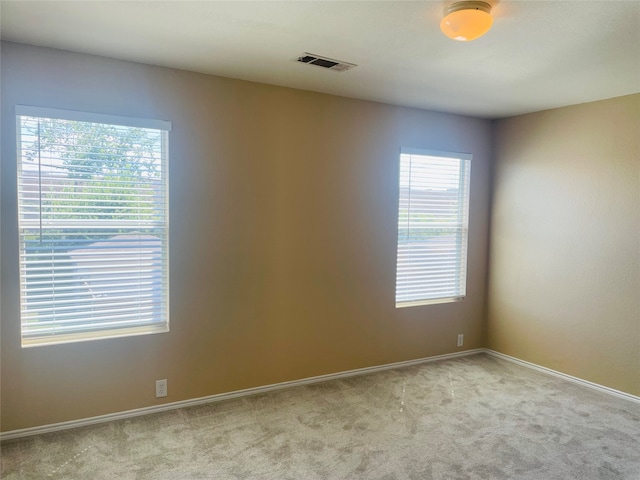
<point x="433" y="221"/>
<point x="93" y="225"/>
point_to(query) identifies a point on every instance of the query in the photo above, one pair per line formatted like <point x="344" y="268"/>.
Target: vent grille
<point x="324" y="62"/>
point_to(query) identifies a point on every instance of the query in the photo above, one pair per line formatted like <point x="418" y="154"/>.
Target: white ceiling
<point x="538" y="55"/>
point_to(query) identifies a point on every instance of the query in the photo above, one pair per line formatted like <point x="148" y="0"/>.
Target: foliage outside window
<point x="93" y="225"/>
<point x="433" y="218"/>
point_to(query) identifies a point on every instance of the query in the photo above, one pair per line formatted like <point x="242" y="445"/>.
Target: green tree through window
<point x="93" y="224"/>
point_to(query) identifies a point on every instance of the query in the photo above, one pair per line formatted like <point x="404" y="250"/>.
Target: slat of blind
<point x="435" y="289"/>
<point x="428" y="255"/>
<point x="91" y="316"/>
<point x="67" y="303"/>
<point x="432" y="227"/>
<point x="102" y="311"/>
<point x="92" y="198"/>
<point x="426" y="277"/>
<point x="434" y="292"/>
<point x="409" y="266"/>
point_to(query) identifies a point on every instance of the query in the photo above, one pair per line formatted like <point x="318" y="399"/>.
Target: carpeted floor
<point x="470" y="418"/>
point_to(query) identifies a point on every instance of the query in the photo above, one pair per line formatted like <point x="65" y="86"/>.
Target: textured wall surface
<point x="282" y="229"/>
<point x="564" y="289"/>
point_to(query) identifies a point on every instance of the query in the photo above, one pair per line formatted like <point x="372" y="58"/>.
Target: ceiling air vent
<point x="324" y="62"/>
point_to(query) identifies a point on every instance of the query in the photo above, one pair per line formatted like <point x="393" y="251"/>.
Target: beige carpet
<point x="470" y="418"/>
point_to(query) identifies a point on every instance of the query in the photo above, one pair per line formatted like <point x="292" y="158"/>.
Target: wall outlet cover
<point x="161" y="388"/>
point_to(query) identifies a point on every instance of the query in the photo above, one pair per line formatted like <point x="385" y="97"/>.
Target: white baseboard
<point x="224" y="396"/>
<point x="564" y="376"/>
<point x="305" y="381"/>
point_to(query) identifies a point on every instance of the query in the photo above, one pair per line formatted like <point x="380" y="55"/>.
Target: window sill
<point x="89" y="336"/>
<point x="433" y="301"/>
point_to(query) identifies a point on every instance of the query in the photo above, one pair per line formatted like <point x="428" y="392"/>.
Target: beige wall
<point x="564" y="289"/>
<point x="283" y="235"/>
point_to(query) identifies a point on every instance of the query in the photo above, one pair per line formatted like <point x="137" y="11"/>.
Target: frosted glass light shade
<point x="465" y="21"/>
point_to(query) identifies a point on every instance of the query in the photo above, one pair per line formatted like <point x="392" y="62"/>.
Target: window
<point x="433" y="220"/>
<point x="93" y="225"/>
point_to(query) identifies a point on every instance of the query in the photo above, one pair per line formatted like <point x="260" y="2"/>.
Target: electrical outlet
<point x="460" y="339"/>
<point x="161" y="388"/>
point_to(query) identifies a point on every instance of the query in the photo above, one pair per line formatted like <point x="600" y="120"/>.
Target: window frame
<point x="464" y="193"/>
<point x="86" y="333"/>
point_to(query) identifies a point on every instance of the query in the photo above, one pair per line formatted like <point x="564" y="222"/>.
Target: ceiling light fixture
<point x="467" y="20"/>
